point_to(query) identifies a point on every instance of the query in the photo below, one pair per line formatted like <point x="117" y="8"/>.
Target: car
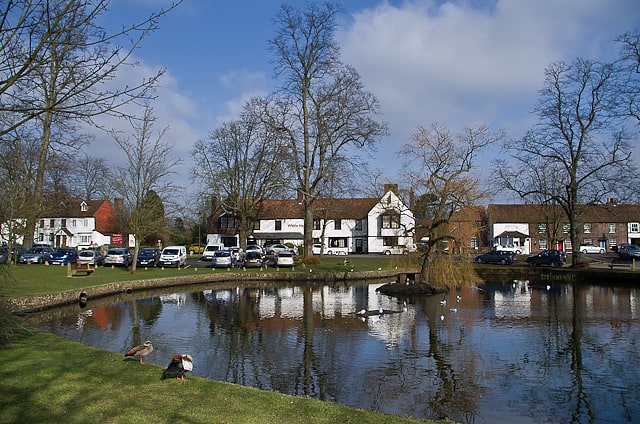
<point x="277" y="248"/>
<point x="90" y="257"/>
<point x="252" y="259"/>
<point x="237" y="253"/>
<point x="16" y="252"/>
<point x="36" y="255"/>
<point x="591" y="248"/>
<point x="173" y="256"/>
<point x="222" y="259"/>
<point x="209" y="250"/>
<point x="148" y="256"/>
<point x="548" y="257"/>
<point x="4" y="255"/>
<point x="629" y="251"/>
<point x="118" y="256"/>
<point x="316" y="248"/>
<point x="509" y="248"/>
<point x="254" y="248"/>
<point x="285" y="258"/>
<point x="496" y="257"/>
<point x="396" y="250"/>
<point x="63" y="256"/>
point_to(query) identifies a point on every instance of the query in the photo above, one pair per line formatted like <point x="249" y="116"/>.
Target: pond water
<point x="500" y="353"/>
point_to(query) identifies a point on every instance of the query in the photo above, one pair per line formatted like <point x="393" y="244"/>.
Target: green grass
<point x="34" y="280"/>
<point x="46" y="379"/>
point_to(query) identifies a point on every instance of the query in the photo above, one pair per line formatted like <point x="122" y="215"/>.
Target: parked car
<point x="148" y="256"/>
<point x="237" y="253"/>
<point x="285" y="258"/>
<point x="91" y="257"/>
<point x="173" y="256"/>
<point x="16" y="252"/>
<point x="548" y="257"/>
<point x="316" y="248"/>
<point x="4" y="255"/>
<point x="629" y="251"/>
<point x="254" y="248"/>
<point x="396" y="250"/>
<point x="209" y="250"/>
<point x="63" y="256"/>
<point x="591" y="248"/>
<point x="118" y="256"/>
<point x="496" y="257"/>
<point x="222" y="259"/>
<point x="253" y="259"/>
<point x="36" y="255"/>
<point x="277" y="248"/>
<point x="509" y="248"/>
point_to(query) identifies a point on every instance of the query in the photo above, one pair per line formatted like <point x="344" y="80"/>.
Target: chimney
<point x="118" y="204"/>
<point x="300" y="197"/>
<point x="391" y="187"/>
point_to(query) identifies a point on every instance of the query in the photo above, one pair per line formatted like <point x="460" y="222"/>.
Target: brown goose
<point x="141" y="350"/>
<point x="179" y="365"/>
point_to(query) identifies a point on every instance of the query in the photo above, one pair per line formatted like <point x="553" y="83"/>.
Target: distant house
<point x="359" y="225"/>
<point x="80" y="224"/>
<point x="467" y="227"/>
<point x="539" y="227"/>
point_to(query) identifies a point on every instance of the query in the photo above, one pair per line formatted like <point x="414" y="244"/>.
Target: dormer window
<point x="83" y="206"/>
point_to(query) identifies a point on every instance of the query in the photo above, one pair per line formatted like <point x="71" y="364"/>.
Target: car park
<point x="396" y="250"/>
<point x="496" y="257"/>
<point x="552" y="258"/>
<point x="222" y="259"/>
<point x="209" y="250"/>
<point x="148" y="256"/>
<point x="36" y="255"/>
<point x="63" y="256"/>
<point x="285" y="258"/>
<point x="118" y="256"/>
<point x="629" y="251"/>
<point x="90" y="257"/>
<point x="173" y="256"/>
<point x="252" y="259"/>
<point x="591" y="248"/>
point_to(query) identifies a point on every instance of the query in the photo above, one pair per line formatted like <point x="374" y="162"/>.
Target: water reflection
<point x="504" y="352"/>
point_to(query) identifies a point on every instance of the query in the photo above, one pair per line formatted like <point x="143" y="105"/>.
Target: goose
<point x="179" y="365"/>
<point x="361" y="312"/>
<point x="141" y="350"/>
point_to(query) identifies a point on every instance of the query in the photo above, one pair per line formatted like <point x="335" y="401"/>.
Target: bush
<point x="311" y="260"/>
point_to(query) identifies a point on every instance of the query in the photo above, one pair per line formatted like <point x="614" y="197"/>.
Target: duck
<point x="179" y="365"/>
<point x="140" y="350"/>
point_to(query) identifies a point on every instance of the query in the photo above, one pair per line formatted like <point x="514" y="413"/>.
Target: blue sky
<point x="459" y="63"/>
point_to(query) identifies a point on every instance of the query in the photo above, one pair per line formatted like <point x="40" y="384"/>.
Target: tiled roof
<point x="334" y="208"/>
<point x="530" y="213"/>
<point x="74" y="209"/>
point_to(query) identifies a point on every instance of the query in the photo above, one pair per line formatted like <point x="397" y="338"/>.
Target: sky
<point x="459" y="63"/>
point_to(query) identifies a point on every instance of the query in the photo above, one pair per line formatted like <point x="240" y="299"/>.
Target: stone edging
<point x="37" y="303"/>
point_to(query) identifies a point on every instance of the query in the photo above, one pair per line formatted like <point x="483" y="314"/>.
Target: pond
<point x="498" y="353"/>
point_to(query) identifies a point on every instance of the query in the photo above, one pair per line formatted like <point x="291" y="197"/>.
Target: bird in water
<point x="179" y="365"/>
<point x="141" y="350"/>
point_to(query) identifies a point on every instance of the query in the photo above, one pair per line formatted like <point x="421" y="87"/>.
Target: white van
<point x="173" y="256"/>
<point x="207" y="253"/>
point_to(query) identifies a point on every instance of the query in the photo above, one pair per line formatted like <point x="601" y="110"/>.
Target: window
<point x="64" y="223"/>
<point x="567" y="245"/>
<point x="227" y="221"/>
<point x="73" y="223"/>
<point x="587" y="228"/>
<point x="389" y="241"/>
<point x="256" y="225"/>
<point x="542" y="228"/>
<point x="612" y="243"/>
<point x="52" y="223"/>
<point x="41" y="224"/>
<point x="635" y="227"/>
<point x="391" y="221"/>
<point x="83" y="207"/>
<point x="359" y="224"/>
<point x="543" y="244"/>
<point x="475" y="243"/>
<point x="588" y="241"/>
<point x="337" y="224"/>
<point x="85" y="239"/>
<point x="337" y="242"/>
<point x="278" y="225"/>
<point x="612" y="228"/>
<point x="566" y="228"/>
<point x="316" y="224"/>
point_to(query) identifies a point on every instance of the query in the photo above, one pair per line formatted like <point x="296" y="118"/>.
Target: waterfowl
<point x="179" y="365"/>
<point x="141" y="350"/>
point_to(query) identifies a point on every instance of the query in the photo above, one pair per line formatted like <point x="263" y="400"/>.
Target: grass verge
<point x="49" y="379"/>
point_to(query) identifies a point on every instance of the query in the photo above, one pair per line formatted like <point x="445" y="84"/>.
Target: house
<point x="360" y="225"/>
<point x="80" y="224"/>
<point x="467" y="227"/>
<point x="540" y="227"/>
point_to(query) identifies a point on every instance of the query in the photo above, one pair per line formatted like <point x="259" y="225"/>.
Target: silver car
<point x="36" y="255"/>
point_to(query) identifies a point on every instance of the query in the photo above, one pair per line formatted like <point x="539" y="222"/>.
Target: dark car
<point x="629" y="251"/>
<point x="148" y="256"/>
<point x="63" y="256"/>
<point x="253" y="259"/>
<point x="496" y="257"/>
<point x="16" y="252"/>
<point x="548" y="257"/>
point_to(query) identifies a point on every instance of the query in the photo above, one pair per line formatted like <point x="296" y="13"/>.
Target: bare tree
<point x="574" y="154"/>
<point x="93" y="178"/>
<point x="629" y="87"/>
<point x="142" y="183"/>
<point x="440" y="168"/>
<point x="58" y="69"/>
<point x="241" y="161"/>
<point x="322" y="110"/>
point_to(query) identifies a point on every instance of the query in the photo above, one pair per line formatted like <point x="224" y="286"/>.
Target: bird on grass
<point x="141" y="350"/>
<point x="179" y="365"/>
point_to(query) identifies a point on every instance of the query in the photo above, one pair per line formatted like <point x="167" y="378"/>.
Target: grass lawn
<point x="49" y="379"/>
